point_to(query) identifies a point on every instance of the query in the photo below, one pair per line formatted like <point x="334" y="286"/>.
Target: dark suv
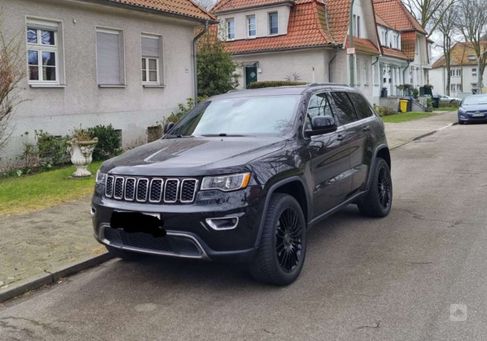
<point x="244" y="175"/>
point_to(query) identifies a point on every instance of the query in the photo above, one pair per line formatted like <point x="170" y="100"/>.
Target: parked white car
<point x="444" y="99"/>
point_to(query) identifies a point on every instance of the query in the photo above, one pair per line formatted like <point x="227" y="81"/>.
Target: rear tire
<point x="377" y="202"/>
<point x="280" y="257"/>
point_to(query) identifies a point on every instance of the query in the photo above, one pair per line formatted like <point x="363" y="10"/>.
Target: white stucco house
<point x="121" y="62"/>
<point x="405" y="47"/>
<point x="464" y="72"/>
<point x="305" y="40"/>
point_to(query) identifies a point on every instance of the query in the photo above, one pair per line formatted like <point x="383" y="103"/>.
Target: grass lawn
<point x="42" y="190"/>
<point x="449" y="109"/>
<point x="406" y="116"/>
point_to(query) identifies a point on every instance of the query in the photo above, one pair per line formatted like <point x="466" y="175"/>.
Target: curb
<point x="417" y="138"/>
<point x="51" y="278"/>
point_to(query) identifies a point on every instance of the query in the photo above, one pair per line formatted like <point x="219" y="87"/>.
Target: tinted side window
<point x="362" y="107"/>
<point x="318" y="106"/>
<point x="343" y="108"/>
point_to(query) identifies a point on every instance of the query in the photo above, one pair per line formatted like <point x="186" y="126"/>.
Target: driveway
<point x="419" y="274"/>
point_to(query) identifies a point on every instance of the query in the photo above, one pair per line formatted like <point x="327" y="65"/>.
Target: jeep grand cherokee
<point x="243" y="176"/>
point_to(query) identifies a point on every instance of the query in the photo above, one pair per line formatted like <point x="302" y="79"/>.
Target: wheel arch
<point x="381" y="152"/>
<point x="294" y="186"/>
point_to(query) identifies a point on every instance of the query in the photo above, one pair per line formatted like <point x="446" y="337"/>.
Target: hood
<point x="475" y="107"/>
<point x="192" y="156"/>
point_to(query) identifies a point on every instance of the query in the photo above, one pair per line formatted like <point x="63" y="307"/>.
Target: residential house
<point x="463" y="71"/>
<point x="303" y="40"/>
<point x="405" y="47"/>
<point x="88" y="62"/>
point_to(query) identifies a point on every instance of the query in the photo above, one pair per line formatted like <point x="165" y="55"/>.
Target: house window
<point x="230" y="28"/>
<point x="43" y="52"/>
<point x="474" y="72"/>
<point x="109" y="57"/>
<point x="358" y="26"/>
<point x="151" y="59"/>
<point x="273" y="23"/>
<point x="251" y="27"/>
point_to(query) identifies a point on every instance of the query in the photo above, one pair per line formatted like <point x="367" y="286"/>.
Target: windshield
<point x="475" y="100"/>
<point x="260" y="115"/>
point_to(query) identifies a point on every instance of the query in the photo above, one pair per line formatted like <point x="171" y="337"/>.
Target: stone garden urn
<point x="81" y="155"/>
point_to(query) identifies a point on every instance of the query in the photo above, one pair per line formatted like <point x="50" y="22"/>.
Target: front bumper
<point x="467" y="117"/>
<point x="188" y="234"/>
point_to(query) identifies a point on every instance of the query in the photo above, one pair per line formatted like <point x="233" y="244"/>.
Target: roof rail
<point x="325" y="84"/>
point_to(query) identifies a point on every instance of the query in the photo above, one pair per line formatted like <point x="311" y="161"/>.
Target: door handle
<point x="340" y="137"/>
<point x="366" y="128"/>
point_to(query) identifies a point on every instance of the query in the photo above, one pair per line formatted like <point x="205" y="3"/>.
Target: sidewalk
<point x="42" y="242"/>
<point x="399" y="134"/>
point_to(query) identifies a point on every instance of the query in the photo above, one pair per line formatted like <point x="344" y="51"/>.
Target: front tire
<point x="280" y="257"/>
<point x="377" y="202"/>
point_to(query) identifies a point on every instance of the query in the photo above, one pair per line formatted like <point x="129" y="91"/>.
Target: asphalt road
<point x="420" y="274"/>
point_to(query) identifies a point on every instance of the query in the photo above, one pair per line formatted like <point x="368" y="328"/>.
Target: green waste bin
<point x="403" y="105"/>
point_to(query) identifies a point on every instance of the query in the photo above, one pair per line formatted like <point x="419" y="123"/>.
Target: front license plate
<point x="134" y="222"/>
<point x="478" y="115"/>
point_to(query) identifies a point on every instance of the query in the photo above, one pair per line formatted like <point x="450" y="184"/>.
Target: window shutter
<point x="150" y="47"/>
<point x="108" y="58"/>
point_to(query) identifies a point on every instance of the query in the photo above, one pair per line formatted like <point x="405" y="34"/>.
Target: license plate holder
<point x="138" y="222"/>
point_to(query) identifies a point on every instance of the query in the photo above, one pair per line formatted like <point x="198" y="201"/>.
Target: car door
<point x="362" y="157"/>
<point x="352" y="134"/>
<point x="329" y="159"/>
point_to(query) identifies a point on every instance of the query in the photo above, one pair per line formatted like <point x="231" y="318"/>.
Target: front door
<point x="329" y="160"/>
<point x="250" y="75"/>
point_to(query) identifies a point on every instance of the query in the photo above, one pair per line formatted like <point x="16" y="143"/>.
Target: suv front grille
<point x="152" y="190"/>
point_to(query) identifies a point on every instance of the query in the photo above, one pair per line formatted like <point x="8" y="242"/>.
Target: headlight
<point x="226" y="183"/>
<point x="461" y="111"/>
<point x="100" y="177"/>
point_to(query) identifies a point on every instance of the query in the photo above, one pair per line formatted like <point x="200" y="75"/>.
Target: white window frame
<point x="269" y="22"/>
<point x="249" y="17"/>
<point x="159" y="62"/>
<point x="43" y="25"/>
<point x="123" y="75"/>
<point x="228" y="32"/>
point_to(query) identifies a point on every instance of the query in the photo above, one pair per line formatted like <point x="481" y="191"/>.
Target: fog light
<point x="223" y="223"/>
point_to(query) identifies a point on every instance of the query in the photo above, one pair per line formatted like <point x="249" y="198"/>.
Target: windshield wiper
<point x="222" y="135"/>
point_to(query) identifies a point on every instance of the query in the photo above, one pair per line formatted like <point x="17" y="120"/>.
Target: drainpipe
<point x="195" y="63"/>
<point x="404" y="74"/>
<point x="330" y="73"/>
<point x="352" y="56"/>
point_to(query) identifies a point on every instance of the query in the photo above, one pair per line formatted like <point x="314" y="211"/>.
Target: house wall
<point x="80" y="102"/>
<point x="418" y="70"/>
<point x="261" y="19"/>
<point x="309" y="65"/>
<point x="462" y="84"/>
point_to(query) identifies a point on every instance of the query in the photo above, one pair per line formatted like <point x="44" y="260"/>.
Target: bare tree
<point x="11" y="73"/>
<point x="472" y="23"/>
<point x="446" y="27"/>
<point x="428" y="12"/>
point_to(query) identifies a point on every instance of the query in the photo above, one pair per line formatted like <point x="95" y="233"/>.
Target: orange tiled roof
<point x="306" y="29"/>
<point x="460" y="55"/>
<point x="184" y="8"/>
<point x="229" y="5"/>
<point x="339" y="14"/>
<point x="364" y="46"/>
<point x="395" y="53"/>
<point x="408" y="44"/>
<point x="396" y="15"/>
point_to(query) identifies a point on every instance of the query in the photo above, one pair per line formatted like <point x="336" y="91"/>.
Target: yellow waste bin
<point x="403" y="105"/>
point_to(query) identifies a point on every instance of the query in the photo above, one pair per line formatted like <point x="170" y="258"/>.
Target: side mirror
<point x="168" y="126"/>
<point x="321" y="125"/>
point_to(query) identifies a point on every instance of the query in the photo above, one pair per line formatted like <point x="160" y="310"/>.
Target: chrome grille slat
<point x="156" y="186"/>
<point x="188" y="190"/>
<point x="142" y="189"/>
<point x="171" y="190"/>
<point x="118" y="188"/>
<point x="109" y="186"/>
<point x="130" y="189"/>
<point x="154" y="190"/>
